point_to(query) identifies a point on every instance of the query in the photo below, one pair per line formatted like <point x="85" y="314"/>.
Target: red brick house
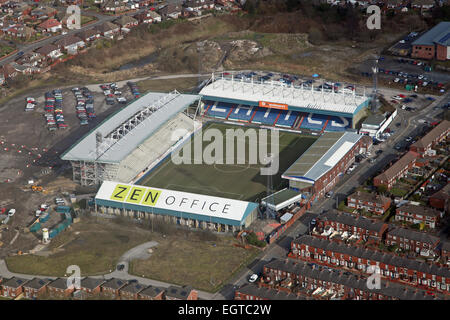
<point x="13" y="287"/>
<point x="360" y="227"/>
<point x="88" y="35"/>
<point x="251" y="291"/>
<point x="35" y="288"/>
<point x="59" y="288"/>
<point x="112" y="287"/>
<point x="396" y="171"/>
<point x="91" y="286"/>
<point x="445" y="251"/>
<point x="181" y="293"/>
<point x="371" y="202"/>
<point x="131" y="291"/>
<point x="418" y="214"/>
<point x="356" y="259"/>
<point x="440" y="200"/>
<point x="303" y="279"/>
<point x="50" y="25"/>
<point x="439" y="133"/>
<point x="420" y="242"/>
<point x="151" y="293"/>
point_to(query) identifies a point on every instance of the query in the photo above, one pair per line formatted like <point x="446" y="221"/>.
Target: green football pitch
<point x="235" y="181"/>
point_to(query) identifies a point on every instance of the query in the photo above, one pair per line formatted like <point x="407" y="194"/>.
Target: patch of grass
<point x="96" y="249"/>
<point x="86" y="19"/>
<point x="221" y="179"/>
<point x="5" y="50"/>
<point x="397" y="192"/>
<point x="180" y="84"/>
<point x="203" y="265"/>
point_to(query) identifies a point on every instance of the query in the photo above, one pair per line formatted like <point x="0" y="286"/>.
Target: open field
<point x="203" y="265"/>
<point x="181" y="84"/>
<point x="94" y="246"/>
<point x="221" y="179"/>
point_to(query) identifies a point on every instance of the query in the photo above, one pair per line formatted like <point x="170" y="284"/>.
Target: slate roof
<point x="178" y="292"/>
<point x="420" y="210"/>
<point x="133" y="287"/>
<point x="114" y="283"/>
<point x="37" y="283"/>
<point x="431" y="136"/>
<point x="350" y="220"/>
<point x="423" y="237"/>
<point x="151" y="291"/>
<point x="388" y="259"/>
<point x="267" y="293"/>
<point x="14" y="282"/>
<point x="91" y="283"/>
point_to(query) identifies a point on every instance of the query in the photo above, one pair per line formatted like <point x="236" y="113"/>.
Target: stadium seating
<point x="287" y="118"/>
<point x="338" y="124"/>
<point x="152" y="148"/>
<point x="242" y="113"/>
<point x="266" y="116"/>
<point x="219" y="110"/>
<point x="314" y="121"/>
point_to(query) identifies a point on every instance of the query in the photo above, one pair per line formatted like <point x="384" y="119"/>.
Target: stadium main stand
<point x="266" y="116"/>
<point x="287" y="118"/>
<point x="338" y="124"/>
<point x="314" y="122"/>
<point x="219" y="110"/>
<point x="242" y="113"/>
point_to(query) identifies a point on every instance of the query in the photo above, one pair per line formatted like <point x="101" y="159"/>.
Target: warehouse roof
<point x="282" y="199"/>
<point x="308" y="99"/>
<point x="438" y="34"/>
<point x="180" y="204"/>
<point x="85" y="148"/>
<point x="321" y="156"/>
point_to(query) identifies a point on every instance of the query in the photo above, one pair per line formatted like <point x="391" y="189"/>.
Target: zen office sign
<point x="172" y="200"/>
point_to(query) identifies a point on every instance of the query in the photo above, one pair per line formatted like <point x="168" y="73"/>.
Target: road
<point x="33" y="46"/>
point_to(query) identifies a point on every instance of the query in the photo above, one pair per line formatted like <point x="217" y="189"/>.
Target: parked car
<point x="253" y="278"/>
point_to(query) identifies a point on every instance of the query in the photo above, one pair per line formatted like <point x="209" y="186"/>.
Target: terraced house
<point x="418" y="214"/>
<point x="360" y="228"/>
<point x="250" y="291"/>
<point x="398" y="170"/>
<point x="371" y="202"/>
<point x="420" y="242"/>
<point x="12" y="288"/>
<point x="330" y="284"/>
<point x="392" y="267"/>
<point x="35" y="288"/>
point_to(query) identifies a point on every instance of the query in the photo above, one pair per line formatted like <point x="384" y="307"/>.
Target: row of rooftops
<point x="398" y="166"/>
<point x="419" y="210"/>
<point x="363" y="253"/>
<point x="370" y="197"/>
<point x="346" y="279"/>
<point x="439" y="130"/>
<point x="93" y="283"/>
<point x="371" y="225"/>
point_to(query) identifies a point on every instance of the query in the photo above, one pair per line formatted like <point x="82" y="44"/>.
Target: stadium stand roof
<point x="306" y="100"/>
<point x="85" y="148"/>
<point x="175" y="203"/>
<point x="321" y="156"/>
<point x="440" y="34"/>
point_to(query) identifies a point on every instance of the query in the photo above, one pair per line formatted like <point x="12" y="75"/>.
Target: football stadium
<point x="130" y="154"/>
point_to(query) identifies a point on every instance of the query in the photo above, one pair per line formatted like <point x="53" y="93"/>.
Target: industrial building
<point x="433" y="44"/>
<point x="318" y="169"/>
<point x="187" y="209"/>
<point x="125" y="144"/>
